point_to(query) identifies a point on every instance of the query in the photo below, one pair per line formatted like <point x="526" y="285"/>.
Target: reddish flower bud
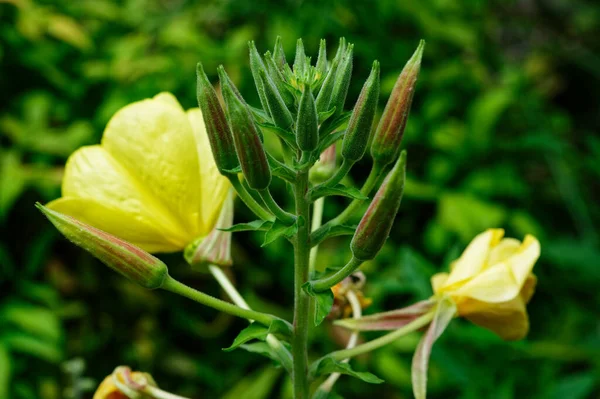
<point x="324" y="168"/>
<point x="131" y="261"/>
<point x="217" y="129"/>
<point x="249" y="148"/>
<point x="374" y="227"/>
<point x="361" y="121"/>
<point x="386" y="142"/>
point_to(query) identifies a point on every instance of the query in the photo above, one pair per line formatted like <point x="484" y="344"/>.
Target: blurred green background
<point x="503" y="133"/>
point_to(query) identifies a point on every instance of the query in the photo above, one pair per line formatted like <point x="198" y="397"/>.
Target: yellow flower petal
<point x="92" y="173"/>
<point x="508" y="320"/>
<point x="152" y="140"/>
<point x="117" y="222"/>
<point x="437" y="281"/>
<point x="505" y="249"/>
<point x="168" y="98"/>
<point x="521" y="263"/>
<point x="494" y="285"/>
<point x="214" y="186"/>
<point x="473" y="260"/>
<point x="108" y="390"/>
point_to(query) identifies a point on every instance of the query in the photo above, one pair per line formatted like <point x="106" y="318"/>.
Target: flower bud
<point x="279" y="54"/>
<point x="281" y="115"/>
<point x="127" y="259"/>
<point x="324" y="168"/>
<point x="215" y="248"/>
<point x="359" y="126"/>
<point x="300" y="60"/>
<point x="324" y="96"/>
<point x="375" y="225"/>
<point x="386" y="141"/>
<point x="342" y="81"/>
<point x="321" y="66"/>
<point x="249" y="148"/>
<point x="279" y="81"/>
<point x="307" y="125"/>
<point x="256" y="66"/>
<point x="217" y="129"/>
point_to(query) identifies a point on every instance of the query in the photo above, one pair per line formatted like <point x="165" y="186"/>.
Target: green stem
<point x="339" y="174"/>
<point x="365" y="190"/>
<point x="279" y="213"/>
<point x="384" y="340"/>
<point x="248" y="200"/>
<point x="327" y="282"/>
<point x="179" y="288"/>
<point x="301" y="299"/>
<point x="284" y="355"/>
<point x="317" y="219"/>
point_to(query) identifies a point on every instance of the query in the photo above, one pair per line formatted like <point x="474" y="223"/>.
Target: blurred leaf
<point x="32" y="346"/>
<point x="255" y="386"/>
<point x="5" y="372"/>
<point x="327" y="365"/>
<point x="34" y="320"/>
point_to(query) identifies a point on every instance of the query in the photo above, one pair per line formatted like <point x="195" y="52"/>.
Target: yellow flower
<point x="492" y="282"/>
<point x="152" y="181"/>
<point x="108" y="390"/>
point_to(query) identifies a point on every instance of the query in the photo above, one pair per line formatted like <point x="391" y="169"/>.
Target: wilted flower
<point x="492" y="282"/>
<point x="152" y="181"/>
<point x="123" y="377"/>
<point x="341" y="306"/>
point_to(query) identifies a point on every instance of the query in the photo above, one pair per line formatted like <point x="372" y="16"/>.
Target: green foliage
<point x="501" y="134"/>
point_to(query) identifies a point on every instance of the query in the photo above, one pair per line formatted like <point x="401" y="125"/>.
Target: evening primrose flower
<point x="152" y="181"/>
<point x="492" y="282"/>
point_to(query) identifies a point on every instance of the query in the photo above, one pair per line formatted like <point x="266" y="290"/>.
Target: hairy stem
<point x="248" y="199"/>
<point x="301" y="299"/>
<point x="279" y="213"/>
<point x="384" y="340"/>
<point x="327" y="282"/>
<point x="179" y="288"/>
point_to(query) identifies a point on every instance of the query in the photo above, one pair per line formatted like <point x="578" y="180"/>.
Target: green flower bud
<point x="388" y="135"/>
<point x="321" y="66"/>
<point x="359" y="126"/>
<point x="374" y="227"/>
<point x="125" y="258"/>
<point x="281" y="115"/>
<point x="279" y="55"/>
<point x="307" y="125"/>
<point x="256" y="66"/>
<point x="342" y="81"/>
<point x="279" y="81"/>
<point x="324" y="96"/>
<point x="217" y="129"/>
<point x="300" y="60"/>
<point x="246" y="138"/>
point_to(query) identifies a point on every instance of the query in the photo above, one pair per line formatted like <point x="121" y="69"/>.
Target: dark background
<point x="502" y="133"/>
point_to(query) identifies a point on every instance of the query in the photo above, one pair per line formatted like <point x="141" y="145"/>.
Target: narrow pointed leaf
<point x="339" y="190"/>
<point x="256" y="225"/>
<point x="323" y="302"/>
<point x="326" y="365"/>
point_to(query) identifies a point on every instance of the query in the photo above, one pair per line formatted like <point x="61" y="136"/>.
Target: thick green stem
<point x="384" y="340"/>
<point x="301" y="299"/>
<point x="279" y="213"/>
<point x="327" y="282"/>
<point x="248" y="199"/>
<point x="179" y="288"/>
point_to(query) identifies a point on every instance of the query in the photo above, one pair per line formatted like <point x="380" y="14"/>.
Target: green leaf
<point x="328" y="231"/>
<point x="332" y="125"/>
<point x="256" y="225"/>
<point x="33" y="346"/>
<point x="36" y="320"/>
<point x="285" y="135"/>
<point x="323" y="116"/>
<point x="279" y="328"/>
<point x="281" y="170"/>
<point x="323" y="302"/>
<point x="328" y="140"/>
<point x="278" y="230"/>
<point x="327" y="365"/>
<point x="341" y="190"/>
